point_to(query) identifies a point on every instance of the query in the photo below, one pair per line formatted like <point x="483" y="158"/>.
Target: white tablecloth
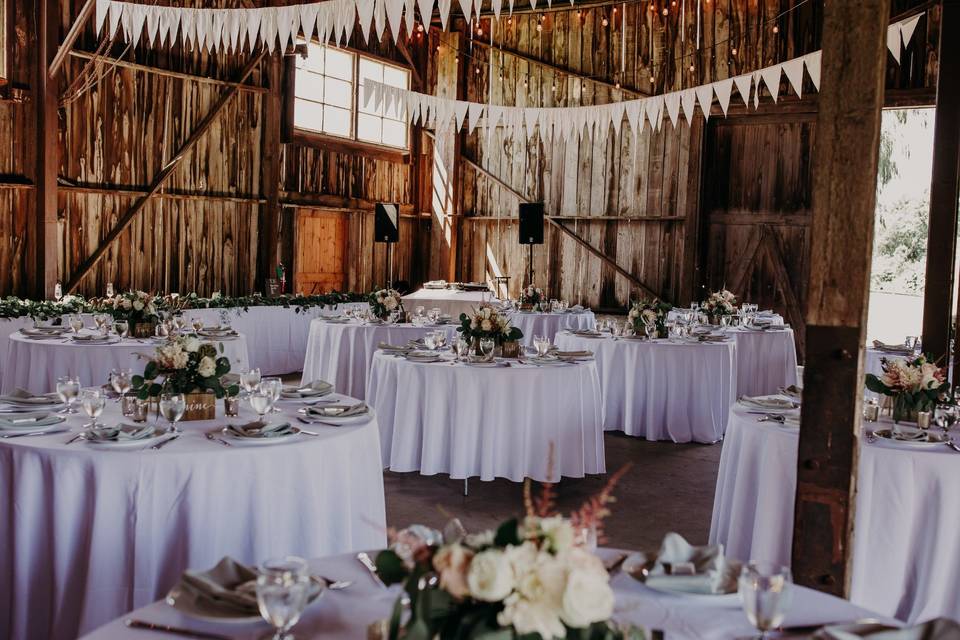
<point x="906" y="556"/>
<point x="8" y="327"/>
<point x="766" y="360"/>
<point x="493" y="423"/>
<point x="550" y="324"/>
<point x="447" y="300"/>
<point x="35" y="365"/>
<point x="345" y="614"/>
<point x="659" y="390"/>
<point x="97" y="533"/>
<point x="341" y="354"/>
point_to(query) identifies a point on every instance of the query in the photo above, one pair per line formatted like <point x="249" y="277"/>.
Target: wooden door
<point x="321" y="240"/>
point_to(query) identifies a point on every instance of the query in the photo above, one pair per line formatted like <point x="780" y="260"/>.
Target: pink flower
<point x="452" y="563"/>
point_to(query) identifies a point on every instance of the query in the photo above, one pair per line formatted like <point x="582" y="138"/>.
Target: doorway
<point x="320" y="261"/>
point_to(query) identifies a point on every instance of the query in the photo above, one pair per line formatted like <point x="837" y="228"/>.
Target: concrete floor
<point x="669" y="488"/>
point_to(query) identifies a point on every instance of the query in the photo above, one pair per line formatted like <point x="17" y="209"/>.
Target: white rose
<point x="127" y="304"/>
<point x="528" y="617"/>
<point x="191" y="344"/>
<point x="473" y="324"/>
<point x="490" y="578"/>
<point x="587" y="598"/>
<point x="486" y="325"/>
<point x="390" y="304"/>
<point x="207" y="367"/>
<point x="138" y="305"/>
<point x="559" y="533"/>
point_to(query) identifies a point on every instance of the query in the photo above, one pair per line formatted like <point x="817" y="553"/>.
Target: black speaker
<point x="531" y="223"/>
<point x="386" y="222"/>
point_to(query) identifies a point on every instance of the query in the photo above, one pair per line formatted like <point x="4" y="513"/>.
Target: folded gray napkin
<point x="338" y="410"/>
<point x="585" y="332"/>
<point x="768" y="402"/>
<point x="573" y="354"/>
<point x="44" y="331"/>
<point x="259" y="429"/>
<point x="120" y="433"/>
<point x="938" y="629"/>
<point x="314" y="389"/>
<point x="87" y="335"/>
<point x="793" y="392"/>
<point x="385" y="346"/>
<point x="229" y="586"/>
<point x="680" y="566"/>
<point x="24" y="397"/>
<point x="901" y="349"/>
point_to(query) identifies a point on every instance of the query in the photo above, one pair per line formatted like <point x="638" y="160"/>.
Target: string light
<point x="776" y="29"/>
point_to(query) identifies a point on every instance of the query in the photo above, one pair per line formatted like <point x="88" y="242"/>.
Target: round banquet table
<point x="659" y="390"/>
<point x="469" y="421"/>
<point x="906" y="556"/>
<point x="550" y="324"/>
<point x="766" y="360"/>
<point x="35" y="365"/>
<point x="346" y="614"/>
<point x="8" y="327"/>
<point x="100" y="532"/>
<point x="341" y="353"/>
<point x="449" y="301"/>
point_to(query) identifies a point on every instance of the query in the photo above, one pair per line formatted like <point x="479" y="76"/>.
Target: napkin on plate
<point x="585" y="332"/>
<point x="258" y="429"/>
<point x="312" y="390"/>
<point x="937" y="629"/>
<point x="900" y="349"/>
<point x="680" y="566"/>
<point x="793" y="392"/>
<point x="338" y="410"/>
<point x="120" y="433"/>
<point x="573" y="354"/>
<point x="24" y="397"/>
<point x="768" y="402"/>
<point x="386" y="346"/>
<point x="29" y="420"/>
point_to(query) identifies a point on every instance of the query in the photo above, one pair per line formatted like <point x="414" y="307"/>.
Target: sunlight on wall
<point x="442" y="193"/>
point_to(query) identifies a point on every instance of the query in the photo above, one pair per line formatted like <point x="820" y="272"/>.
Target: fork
<point x="953" y="445"/>
<point x="214" y="438"/>
<point x="165" y="442"/>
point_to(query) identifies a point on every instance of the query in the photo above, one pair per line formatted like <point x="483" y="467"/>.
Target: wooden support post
<point x="43" y="243"/>
<point x="446" y="163"/>
<point x="164" y="173"/>
<point x="944" y="191"/>
<point x="72" y="36"/>
<point x="844" y="197"/>
<point x="268" y="237"/>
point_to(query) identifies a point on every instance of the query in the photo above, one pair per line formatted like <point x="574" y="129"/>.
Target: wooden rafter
<point x="165" y="173"/>
<point x="72" y="36"/>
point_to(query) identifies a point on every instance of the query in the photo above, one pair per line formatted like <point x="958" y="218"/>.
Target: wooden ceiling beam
<point x="165" y="173"/>
<point x="85" y="12"/>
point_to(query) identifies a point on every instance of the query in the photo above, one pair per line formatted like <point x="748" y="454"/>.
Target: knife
<point x="162" y="628"/>
<point x="372" y="568"/>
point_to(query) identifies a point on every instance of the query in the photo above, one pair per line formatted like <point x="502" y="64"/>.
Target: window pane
<point x="309" y="85"/>
<point x="338" y="92"/>
<point x="395" y="133"/>
<point x="336" y="121"/>
<point x="368" y="128"/>
<point x="394" y="112"/>
<point x="314" y="61"/>
<point x="307" y="115"/>
<point x="367" y="68"/>
<point x="339" y="64"/>
<point x="396" y="77"/>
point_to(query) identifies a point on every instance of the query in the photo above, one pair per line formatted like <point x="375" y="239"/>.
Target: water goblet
<point x="946" y="415"/>
<point x="435" y="314"/>
<point x="172" y="407"/>
<point x="261" y="400"/>
<point x="419" y="310"/>
<point x="68" y="388"/>
<point x="121" y="328"/>
<point x="249" y="379"/>
<point x="441" y="339"/>
<point x="100" y="319"/>
<point x="650" y="329"/>
<point x="542" y="345"/>
<point x="430" y="341"/>
<point x="463" y="349"/>
<point x="486" y="347"/>
<point x="724" y="323"/>
<point x="92" y="401"/>
<point x="76" y="322"/>
<point x="283" y="586"/>
<point x="766" y="594"/>
<point x="910" y="342"/>
<point x="162" y="330"/>
<point x="197" y="325"/>
<point x="274" y="386"/>
<point x="348" y="312"/>
<point x="121" y="380"/>
<point x="179" y="322"/>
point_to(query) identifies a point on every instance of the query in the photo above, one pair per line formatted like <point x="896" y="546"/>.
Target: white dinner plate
<point x="635" y="561"/>
<point x="933" y="439"/>
<point x="258" y="441"/>
<point x="142" y="443"/>
<point x="47" y="423"/>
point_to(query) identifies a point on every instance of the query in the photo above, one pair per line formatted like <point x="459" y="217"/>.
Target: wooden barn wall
<point x="635" y="199"/>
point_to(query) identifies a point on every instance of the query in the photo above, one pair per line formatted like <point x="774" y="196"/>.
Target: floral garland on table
<point x="384" y="302"/>
<point x="650" y="312"/>
<point x="531" y="578"/>
<point x="487" y="322"/>
<point x="531" y="295"/>
<point x="914" y="384"/>
<point x="14" y="307"/>
<point x="187" y="365"/>
<point x="720" y="303"/>
<point x="136" y="307"/>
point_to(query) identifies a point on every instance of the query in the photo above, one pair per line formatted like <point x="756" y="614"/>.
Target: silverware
<point x="179" y="631"/>
<point x="335" y="585"/>
<point x="163" y="443"/>
<point x="870" y="436"/>
<point x="214" y="438"/>
<point x="772" y="417"/>
<point x="75" y="438"/>
<point x="371" y="567"/>
<point x="33" y="433"/>
<point x="953" y="445"/>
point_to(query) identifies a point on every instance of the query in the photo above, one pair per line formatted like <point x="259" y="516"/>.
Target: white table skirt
<point x="448" y="300"/>
<point x="346" y="614"/>
<point x="342" y="354"/>
<point x="493" y="423"/>
<point x="906" y="556"/>
<point x="766" y="360"/>
<point x="659" y="390"/>
<point x="550" y="324"/>
<point x="35" y="365"/>
<point x="97" y="533"/>
<point x="8" y="327"/>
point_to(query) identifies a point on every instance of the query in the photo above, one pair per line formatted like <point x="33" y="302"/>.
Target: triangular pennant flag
<point x="380" y="17"/>
<point x="364" y="17"/>
<point x="169" y="22"/>
<point x="494" y="114"/>
<point x="743" y="86"/>
<point x="617" y="110"/>
<point x="705" y="98"/>
<point x="426" y="10"/>
<point x="443" y="6"/>
<point x="232" y="27"/>
<point x="907" y="28"/>
<point x="395" y="16"/>
<point x="126" y="18"/>
<point x="756" y="93"/>
<point x="349" y="19"/>
<point x="153" y="25"/>
<point x="308" y="19"/>
<point x="723" y="89"/>
<point x="138" y="15"/>
<point x="688" y="99"/>
<point x="187" y="18"/>
<point x="655" y="111"/>
<point x="253" y="27"/>
<point x="634" y="109"/>
<point x="794" y="72"/>
<point x="812" y="62"/>
<point x="771" y="78"/>
<point x="672" y="102"/>
<point x="893" y="41"/>
<point x="115" y="12"/>
<point x="530" y="120"/>
<point x="474" y="115"/>
<point x="103" y="7"/>
<point x="497" y="6"/>
<point x="467" y="7"/>
<point x="268" y="29"/>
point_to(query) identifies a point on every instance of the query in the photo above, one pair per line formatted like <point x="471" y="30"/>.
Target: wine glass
<point x="542" y="345"/>
<point x="946" y="415"/>
<point x="486" y="347"/>
<point x="261" y="400"/>
<point x="419" y="311"/>
<point x="463" y="349"/>
<point x="766" y="594"/>
<point x="172" y="408"/>
<point x="430" y="341"/>
<point x="100" y="319"/>
<point x="110" y="290"/>
<point x="441" y="339"/>
<point x="68" y="388"/>
<point x="121" y="327"/>
<point x="250" y="379"/>
<point x="121" y="380"/>
<point x="76" y="323"/>
<point x="650" y="329"/>
<point x="283" y="586"/>
<point x="92" y="401"/>
<point x="274" y="386"/>
<point x="197" y="325"/>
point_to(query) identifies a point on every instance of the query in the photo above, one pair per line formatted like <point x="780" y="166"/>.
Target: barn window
<point x="328" y="94"/>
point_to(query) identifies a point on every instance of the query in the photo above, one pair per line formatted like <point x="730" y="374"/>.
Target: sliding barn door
<point x="321" y="241"/>
<point x="756" y="211"/>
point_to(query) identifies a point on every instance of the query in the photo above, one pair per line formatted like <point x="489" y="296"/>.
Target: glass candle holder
<point x="128" y="404"/>
<point x="923" y="419"/>
<point x="140" y="410"/>
<point x="871" y="411"/>
<point x="231" y="406"/>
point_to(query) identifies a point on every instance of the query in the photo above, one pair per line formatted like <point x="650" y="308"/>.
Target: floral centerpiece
<point x="191" y="367"/>
<point x="384" y="302"/>
<point x="138" y="308"/>
<point x="914" y="384"/>
<point x="531" y="578"/>
<point x="486" y="322"/>
<point x="650" y="312"/>
<point x="531" y="295"/>
<point x="719" y="303"/>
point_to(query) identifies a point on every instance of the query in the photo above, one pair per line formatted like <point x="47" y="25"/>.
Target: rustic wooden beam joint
<point x="85" y="12"/>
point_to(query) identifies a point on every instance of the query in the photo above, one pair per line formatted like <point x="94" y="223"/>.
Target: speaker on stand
<point x="531" y="230"/>
<point x="386" y="229"/>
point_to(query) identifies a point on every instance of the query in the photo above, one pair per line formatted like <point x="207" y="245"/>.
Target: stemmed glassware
<point x="463" y="349"/>
<point x="68" y="388"/>
<point x="486" y="347"/>
<point x="92" y="401"/>
<point x="766" y="593"/>
<point x="946" y="415"/>
<point x="76" y="323"/>
<point x="274" y="386"/>
<point x="197" y="324"/>
<point x="172" y="408"/>
<point x="110" y="290"/>
<point x="283" y="586"/>
<point x="102" y="321"/>
<point x="542" y="345"/>
<point x="121" y="327"/>
<point x="261" y="400"/>
<point x="249" y="380"/>
<point x="650" y="329"/>
<point x="121" y="380"/>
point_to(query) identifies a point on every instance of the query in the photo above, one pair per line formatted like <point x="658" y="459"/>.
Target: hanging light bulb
<point x="652" y="8"/>
<point x="477" y="70"/>
<point x="776" y="29"/>
<point x="666" y="11"/>
<point x="604" y="22"/>
<point x="691" y="67"/>
<point x="734" y="51"/>
<point x="420" y="28"/>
